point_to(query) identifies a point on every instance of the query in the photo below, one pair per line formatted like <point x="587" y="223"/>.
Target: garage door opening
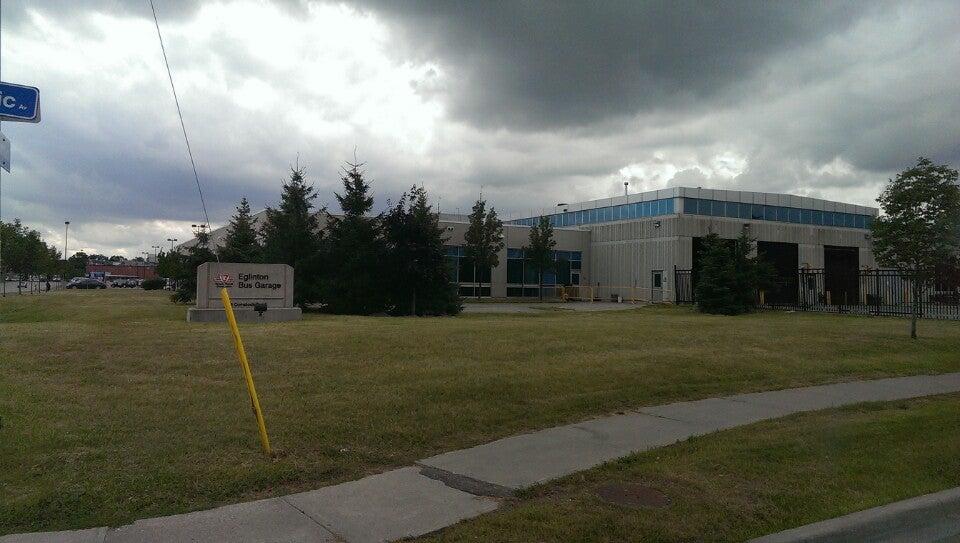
<point x="841" y="266"/>
<point x="784" y="258"/>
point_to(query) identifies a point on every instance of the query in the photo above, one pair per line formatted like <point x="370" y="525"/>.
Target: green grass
<point x="747" y="482"/>
<point x="114" y="408"/>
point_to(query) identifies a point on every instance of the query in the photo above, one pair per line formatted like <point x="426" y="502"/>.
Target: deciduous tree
<point x="919" y="231"/>
<point x="483" y="240"/>
<point x="540" y="251"/>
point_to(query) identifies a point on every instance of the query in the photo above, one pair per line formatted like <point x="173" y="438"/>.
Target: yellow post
<point x="245" y="366"/>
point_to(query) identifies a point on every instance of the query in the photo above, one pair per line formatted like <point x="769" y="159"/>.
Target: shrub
<point x="153" y="284"/>
<point x="729" y="276"/>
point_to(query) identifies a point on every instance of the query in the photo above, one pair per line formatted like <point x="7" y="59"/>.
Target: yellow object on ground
<point x="245" y="366"/>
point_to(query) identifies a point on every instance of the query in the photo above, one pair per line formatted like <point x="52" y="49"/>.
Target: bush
<point x="153" y="284"/>
<point x="729" y="276"/>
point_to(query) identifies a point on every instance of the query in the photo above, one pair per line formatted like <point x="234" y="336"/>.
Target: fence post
<point x="876" y="292"/>
<point x="676" y="286"/>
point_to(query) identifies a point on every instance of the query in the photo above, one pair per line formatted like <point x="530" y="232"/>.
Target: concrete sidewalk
<point x="444" y="489"/>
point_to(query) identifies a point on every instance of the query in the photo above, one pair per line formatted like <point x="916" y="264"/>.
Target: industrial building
<point x="632" y="246"/>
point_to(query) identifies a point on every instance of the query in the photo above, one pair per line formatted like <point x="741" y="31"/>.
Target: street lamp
<point x="66" y="230"/>
<point x="171" y="240"/>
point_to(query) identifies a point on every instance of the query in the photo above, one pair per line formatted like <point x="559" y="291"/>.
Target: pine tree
<point x="420" y="284"/>
<point x="241" y="243"/>
<point x="483" y="241"/>
<point x="729" y="275"/>
<point x="540" y="252"/>
<point x="355" y="249"/>
<point x="291" y="235"/>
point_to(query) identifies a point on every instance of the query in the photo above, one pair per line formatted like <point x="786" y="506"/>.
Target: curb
<point x="921" y="514"/>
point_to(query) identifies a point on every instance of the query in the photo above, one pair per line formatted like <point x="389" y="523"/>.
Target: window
<point x="794" y="215"/>
<point x="733" y="210"/>
<point x="770" y="213"/>
<point x="806" y="216"/>
<point x="756" y="212"/>
<point x="690" y="206"/>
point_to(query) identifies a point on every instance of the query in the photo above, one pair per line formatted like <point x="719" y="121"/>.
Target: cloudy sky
<point x="536" y="103"/>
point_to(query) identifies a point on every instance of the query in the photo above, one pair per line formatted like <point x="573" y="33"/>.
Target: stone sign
<point x="258" y="292"/>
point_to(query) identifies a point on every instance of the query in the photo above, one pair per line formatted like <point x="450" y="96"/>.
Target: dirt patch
<point x="633" y="495"/>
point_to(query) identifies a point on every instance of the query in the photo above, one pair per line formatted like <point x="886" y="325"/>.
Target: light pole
<point x="66" y="264"/>
<point x="171" y="240"/>
<point x="147" y="259"/>
<point x="66" y="232"/>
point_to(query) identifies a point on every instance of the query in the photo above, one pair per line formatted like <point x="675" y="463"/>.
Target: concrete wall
<point x="625" y="253"/>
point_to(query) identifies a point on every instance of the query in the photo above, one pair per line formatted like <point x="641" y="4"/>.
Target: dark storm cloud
<point x="537" y="65"/>
<point x="536" y="102"/>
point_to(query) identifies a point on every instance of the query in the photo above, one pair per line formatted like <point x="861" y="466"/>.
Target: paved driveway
<point x="534" y="307"/>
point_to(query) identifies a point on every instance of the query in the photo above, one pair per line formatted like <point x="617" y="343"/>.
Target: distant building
<point x="130" y="269"/>
<point x="633" y="246"/>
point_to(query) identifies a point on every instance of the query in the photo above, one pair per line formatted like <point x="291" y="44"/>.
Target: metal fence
<point x="865" y="292"/>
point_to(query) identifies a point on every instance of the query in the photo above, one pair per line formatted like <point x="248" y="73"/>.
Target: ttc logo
<point x="223" y="280"/>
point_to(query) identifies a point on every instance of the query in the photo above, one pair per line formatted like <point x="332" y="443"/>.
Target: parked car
<point x="85" y="282"/>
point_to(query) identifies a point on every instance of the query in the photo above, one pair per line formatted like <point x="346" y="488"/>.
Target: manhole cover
<point x="633" y="495"/>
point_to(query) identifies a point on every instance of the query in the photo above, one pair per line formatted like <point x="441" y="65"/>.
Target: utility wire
<point x="183" y="127"/>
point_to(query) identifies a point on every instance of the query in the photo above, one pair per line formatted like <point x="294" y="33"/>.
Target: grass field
<point x="747" y="482"/>
<point x="113" y="408"/>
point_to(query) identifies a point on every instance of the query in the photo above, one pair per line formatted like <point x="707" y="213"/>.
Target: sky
<point x="532" y="103"/>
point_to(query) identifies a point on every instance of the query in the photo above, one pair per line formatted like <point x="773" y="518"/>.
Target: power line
<point x="183" y="126"/>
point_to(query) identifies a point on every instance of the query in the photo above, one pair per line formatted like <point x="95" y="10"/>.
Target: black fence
<point x="866" y="292"/>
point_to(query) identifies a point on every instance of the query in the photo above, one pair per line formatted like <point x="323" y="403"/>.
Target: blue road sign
<point x="19" y="103"/>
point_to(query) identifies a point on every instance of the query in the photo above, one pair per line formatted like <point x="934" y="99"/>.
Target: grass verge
<point x="113" y="408"/>
<point x="747" y="482"/>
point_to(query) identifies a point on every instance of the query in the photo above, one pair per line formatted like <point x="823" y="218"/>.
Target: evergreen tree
<point x="291" y="235"/>
<point x="355" y="249"/>
<point x="729" y="275"/>
<point x="540" y="252"/>
<point x="241" y="243"/>
<point x="420" y="284"/>
<point x="483" y="240"/>
<point x="919" y="231"/>
<point x="185" y="266"/>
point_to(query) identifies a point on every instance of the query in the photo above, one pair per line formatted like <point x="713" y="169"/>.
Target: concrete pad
<point x="91" y="535"/>
<point x="388" y="506"/>
<point x="521" y="461"/>
<point x="717" y="413"/>
<point x="273" y="521"/>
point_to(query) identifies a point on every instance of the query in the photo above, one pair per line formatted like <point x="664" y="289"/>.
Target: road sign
<point x="4" y="152"/>
<point x="19" y="103"/>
